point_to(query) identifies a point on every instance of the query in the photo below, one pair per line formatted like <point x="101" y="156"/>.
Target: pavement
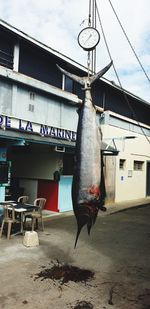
<point x="123" y="206"/>
<point x="111" y="208"/>
<point x="117" y="251"/>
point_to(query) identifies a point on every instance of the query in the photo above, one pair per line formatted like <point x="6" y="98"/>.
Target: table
<point x="20" y="208"/>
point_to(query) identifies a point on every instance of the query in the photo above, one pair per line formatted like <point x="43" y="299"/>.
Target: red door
<point x="49" y="190"/>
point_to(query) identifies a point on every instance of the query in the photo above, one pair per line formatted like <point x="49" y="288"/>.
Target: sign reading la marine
<point x="7" y="122"/>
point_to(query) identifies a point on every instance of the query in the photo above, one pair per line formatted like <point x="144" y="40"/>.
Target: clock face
<point x="88" y="38"/>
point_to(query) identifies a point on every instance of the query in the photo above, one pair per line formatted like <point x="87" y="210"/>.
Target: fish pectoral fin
<point x="103" y="208"/>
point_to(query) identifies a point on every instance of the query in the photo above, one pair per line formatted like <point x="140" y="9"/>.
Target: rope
<point x="123" y="91"/>
<point x="89" y="19"/>
<point x="92" y="22"/>
<point x="95" y="25"/>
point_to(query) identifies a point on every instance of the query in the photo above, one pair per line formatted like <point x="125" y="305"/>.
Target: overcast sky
<point x="58" y="22"/>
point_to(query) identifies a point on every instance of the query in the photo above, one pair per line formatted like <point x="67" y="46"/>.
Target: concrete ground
<point x="118" y="251"/>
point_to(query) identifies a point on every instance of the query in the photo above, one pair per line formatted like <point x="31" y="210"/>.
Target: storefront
<point x="35" y="155"/>
<point x="40" y="159"/>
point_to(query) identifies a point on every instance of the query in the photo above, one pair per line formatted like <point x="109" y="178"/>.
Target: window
<point x="6" y="50"/>
<point x="31" y="105"/>
<point x="31" y="108"/>
<point x="68" y="84"/>
<point x="122" y="164"/>
<point x="138" y="165"/>
<point x="32" y="95"/>
<point x="6" y="59"/>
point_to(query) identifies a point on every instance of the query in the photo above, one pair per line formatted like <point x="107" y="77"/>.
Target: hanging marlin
<point x="87" y="197"/>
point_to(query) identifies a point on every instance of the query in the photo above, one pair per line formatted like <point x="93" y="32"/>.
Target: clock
<point x="88" y="38"/>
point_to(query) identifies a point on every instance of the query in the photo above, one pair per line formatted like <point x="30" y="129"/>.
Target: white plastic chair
<point x="9" y="218"/>
<point x="23" y="199"/>
<point x="37" y="214"/>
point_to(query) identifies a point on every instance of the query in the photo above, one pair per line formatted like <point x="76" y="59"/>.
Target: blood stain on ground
<point x="65" y="273"/>
<point x="83" y="305"/>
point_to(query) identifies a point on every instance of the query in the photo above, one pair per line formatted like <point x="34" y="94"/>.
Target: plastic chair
<point x="37" y="214"/>
<point x="8" y="218"/>
<point x="23" y="199"/>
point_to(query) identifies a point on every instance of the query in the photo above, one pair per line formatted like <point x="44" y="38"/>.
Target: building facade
<point x="38" y="123"/>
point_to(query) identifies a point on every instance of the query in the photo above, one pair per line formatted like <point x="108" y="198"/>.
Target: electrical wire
<point x="120" y="84"/>
<point x="129" y="42"/>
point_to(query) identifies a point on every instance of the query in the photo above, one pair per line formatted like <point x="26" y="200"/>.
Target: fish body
<point x="87" y="169"/>
<point x="86" y="196"/>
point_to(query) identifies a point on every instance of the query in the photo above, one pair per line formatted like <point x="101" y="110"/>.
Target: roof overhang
<point x="15" y="138"/>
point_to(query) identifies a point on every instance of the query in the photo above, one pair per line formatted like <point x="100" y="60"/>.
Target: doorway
<point x="49" y="190"/>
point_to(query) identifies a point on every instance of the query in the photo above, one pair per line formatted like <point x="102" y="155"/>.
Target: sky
<point x="58" y="22"/>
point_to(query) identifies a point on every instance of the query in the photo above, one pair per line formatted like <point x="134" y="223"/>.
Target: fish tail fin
<point x="74" y="77"/>
<point x="100" y="73"/>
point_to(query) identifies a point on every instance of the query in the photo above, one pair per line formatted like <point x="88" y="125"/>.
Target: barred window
<point x="138" y="165"/>
<point x="122" y="164"/>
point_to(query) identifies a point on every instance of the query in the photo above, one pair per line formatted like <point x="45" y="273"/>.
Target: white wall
<point x="130" y="184"/>
<point x="30" y="188"/>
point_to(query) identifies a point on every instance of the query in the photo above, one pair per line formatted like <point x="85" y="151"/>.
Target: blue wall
<point x="64" y="194"/>
<point x="2" y="188"/>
